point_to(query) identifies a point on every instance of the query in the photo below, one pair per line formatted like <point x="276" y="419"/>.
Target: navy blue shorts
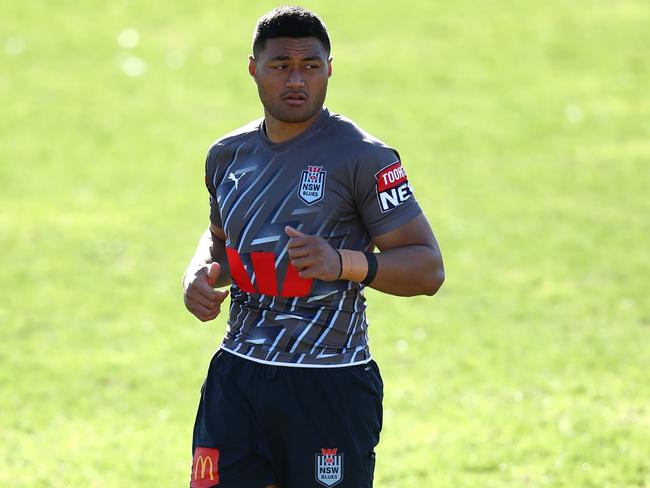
<point x="259" y="425"/>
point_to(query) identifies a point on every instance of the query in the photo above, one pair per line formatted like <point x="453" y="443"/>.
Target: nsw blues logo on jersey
<point x="392" y="187"/>
<point x="312" y="184"/>
<point x="329" y="467"/>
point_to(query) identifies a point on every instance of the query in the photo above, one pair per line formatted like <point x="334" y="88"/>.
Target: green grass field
<point x="525" y="129"/>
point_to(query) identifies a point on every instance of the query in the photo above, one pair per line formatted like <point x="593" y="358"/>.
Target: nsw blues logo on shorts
<point x="312" y="184"/>
<point x="329" y="467"/>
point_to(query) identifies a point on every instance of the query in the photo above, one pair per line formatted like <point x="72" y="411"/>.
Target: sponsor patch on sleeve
<point x="392" y="186"/>
<point x="205" y="468"/>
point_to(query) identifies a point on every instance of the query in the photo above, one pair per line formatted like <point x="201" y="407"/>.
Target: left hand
<point x="201" y="299"/>
<point x="312" y="256"/>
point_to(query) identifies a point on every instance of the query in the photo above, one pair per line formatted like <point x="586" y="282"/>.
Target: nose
<point x="295" y="79"/>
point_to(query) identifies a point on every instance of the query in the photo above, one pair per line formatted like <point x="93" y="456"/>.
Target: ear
<point x="329" y="67"/>
<point x="252" y="67"/>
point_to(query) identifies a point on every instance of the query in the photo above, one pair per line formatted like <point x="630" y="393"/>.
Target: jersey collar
<point x="320" y="121"/>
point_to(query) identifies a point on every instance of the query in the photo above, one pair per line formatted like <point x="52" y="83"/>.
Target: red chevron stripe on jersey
<point x="266" y="282"/>
<point x="294" y="285"/>
<point x="238" y="272"/>
<point x="265" y="278"/>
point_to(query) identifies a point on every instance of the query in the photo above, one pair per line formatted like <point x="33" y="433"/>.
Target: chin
<point x="294" y="116"/>
<point x="301" y="116"/>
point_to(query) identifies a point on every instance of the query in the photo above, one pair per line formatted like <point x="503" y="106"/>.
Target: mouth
<point x="295" y="99"/>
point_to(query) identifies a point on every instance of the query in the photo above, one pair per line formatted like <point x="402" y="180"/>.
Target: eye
<point x="312" y="66"/>
<point x="279" y="67"/>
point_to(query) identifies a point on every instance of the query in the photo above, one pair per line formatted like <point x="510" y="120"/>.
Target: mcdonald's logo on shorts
<point x="205" y="468"/>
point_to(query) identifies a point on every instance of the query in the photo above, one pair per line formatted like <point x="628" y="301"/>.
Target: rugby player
<point x="299" y="201"/>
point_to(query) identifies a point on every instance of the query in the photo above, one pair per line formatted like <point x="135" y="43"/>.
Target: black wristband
<point x="372" y="268"/>
<point x="340" y="265"/>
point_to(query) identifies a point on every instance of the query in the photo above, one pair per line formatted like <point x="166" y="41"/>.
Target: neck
<point x="278" y="131"/>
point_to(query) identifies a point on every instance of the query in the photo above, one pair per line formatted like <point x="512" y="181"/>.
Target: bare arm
<point x="409" y="261"/>
<point x="208" y="269"/>
<point x="211" y="249"/>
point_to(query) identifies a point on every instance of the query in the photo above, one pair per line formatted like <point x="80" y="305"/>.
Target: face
<point x="291" y="76"/>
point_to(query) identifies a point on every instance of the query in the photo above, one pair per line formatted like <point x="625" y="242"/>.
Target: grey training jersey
<point x="333" y="180"/>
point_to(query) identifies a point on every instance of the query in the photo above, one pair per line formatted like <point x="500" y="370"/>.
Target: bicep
<point x="417" y="231"/>
<point x="410" y="262"/>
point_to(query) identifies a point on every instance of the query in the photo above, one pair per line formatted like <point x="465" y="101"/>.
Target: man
<point x="299" y="199"/>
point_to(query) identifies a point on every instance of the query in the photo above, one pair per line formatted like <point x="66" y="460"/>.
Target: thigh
<point x="224" y="446"/>
<point x="321" y="426"/>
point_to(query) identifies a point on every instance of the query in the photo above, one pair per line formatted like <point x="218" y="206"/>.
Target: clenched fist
<point x="201" y="299"/>
<point x="313" y="256"/>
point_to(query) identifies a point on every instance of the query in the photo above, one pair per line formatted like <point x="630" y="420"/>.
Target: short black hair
<point x="289" y="22"/>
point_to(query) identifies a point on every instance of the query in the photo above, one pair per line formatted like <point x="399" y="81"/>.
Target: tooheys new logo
<point x="392" y="186"/>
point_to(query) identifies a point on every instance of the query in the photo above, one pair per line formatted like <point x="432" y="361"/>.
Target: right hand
<point x="201" y="299"/>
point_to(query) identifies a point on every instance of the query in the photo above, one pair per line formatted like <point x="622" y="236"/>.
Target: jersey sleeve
<point x="383" y="196"/>
<point x="210" y="178"/>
